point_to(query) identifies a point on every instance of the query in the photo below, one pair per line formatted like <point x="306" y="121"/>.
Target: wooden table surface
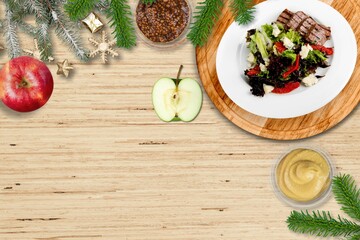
<point x="97" y="163"/>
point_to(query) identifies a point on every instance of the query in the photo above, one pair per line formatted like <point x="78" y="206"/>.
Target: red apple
<point x="26" y="84"/>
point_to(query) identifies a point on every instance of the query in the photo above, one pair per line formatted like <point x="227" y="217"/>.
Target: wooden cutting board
<point x="281" y="129"/>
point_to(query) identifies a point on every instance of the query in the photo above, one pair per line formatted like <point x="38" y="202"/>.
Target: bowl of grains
<point x="164" y="23"/>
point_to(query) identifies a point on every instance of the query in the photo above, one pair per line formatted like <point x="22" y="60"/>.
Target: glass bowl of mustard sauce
<point x="302" y="177"/>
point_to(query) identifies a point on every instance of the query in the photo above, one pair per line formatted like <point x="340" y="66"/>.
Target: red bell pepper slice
<point x="327" y="51"/>
<point x="280" y="47"/>
<point x="293" y="68"/>
<point x="254" y="71"/>
<point x="289" y="87"/>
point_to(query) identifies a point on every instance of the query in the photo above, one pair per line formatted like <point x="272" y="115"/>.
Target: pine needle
<point x="243" y="11"/>
<point x="64" y="31"/>
<point x="347" y="195"/>
<point x="44" y="41"/>
<point x="11" y="36"/>
<point x="354" y="237"/>
<point x="121" y="20"/>
<point x="48" y="14"/>
<point x="205" y="17"/>
<point x="78" y="9"/>
<point x="321" y="224"/>
<point x="27" y="28"/>
<point x="34" y="7"/>
<point x="102" y="5"/>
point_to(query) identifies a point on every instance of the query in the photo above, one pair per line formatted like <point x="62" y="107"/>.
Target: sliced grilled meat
<point x="307" y="27"/>
<point x="285" y="17"/>
<point x="327" y="30"/>
<point x="297" y="20"/>
<point x="319" y="35"/>
<point x="314" y="32"/>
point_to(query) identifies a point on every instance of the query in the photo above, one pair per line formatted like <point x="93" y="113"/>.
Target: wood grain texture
<point x="281" y="129"/>
<point x="96" y="162"/>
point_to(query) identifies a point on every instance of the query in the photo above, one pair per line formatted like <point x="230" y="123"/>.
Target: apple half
<point x="177" y="99"/>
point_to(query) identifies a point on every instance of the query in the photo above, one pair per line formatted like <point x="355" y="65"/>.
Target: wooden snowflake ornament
<point x="104" y="47"/>
<point x="36" y="52"/>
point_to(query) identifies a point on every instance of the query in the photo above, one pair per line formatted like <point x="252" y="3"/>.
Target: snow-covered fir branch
<point x="44" y="40"/>
<point x="12" y="39"/>
<point x="48" y="14"/>
<point x="64" y="31"/>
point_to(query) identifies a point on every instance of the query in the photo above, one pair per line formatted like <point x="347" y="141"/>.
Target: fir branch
<point x="27" y="28"/>
<point x="243" y="10"/>
<point x="44" y="41"/>
<point x="11" y="36"/>
<point x="34" y="7"/>
<point x="121" y="20"/>
<point x="78" y="9"/>
<point x="347" y="195"/>
<point x="205" y="18"/>
<point x="12" y="4"/>
<point x="102" y="5"/>
<point x="64" y="30"/>
<point x="321" y="224"/>
<point x="354" y="237"/>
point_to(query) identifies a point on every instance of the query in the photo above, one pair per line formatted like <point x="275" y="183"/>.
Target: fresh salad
<point x="281" y="59"/>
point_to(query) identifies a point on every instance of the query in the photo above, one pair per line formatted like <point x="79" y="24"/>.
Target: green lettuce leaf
<point x="316" y="56"/>
<point x="266" y="31"/>
<point x="292" y="36"/>
<point x="261" y="45"/>
<point x="289" y="54"/>
<point x="252" y="44"/>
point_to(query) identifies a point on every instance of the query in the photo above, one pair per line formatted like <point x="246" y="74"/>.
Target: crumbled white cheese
<point x="263" y="67"/>
<point x="267" y="61"/>
<point x="288" y="43"/>
<point x="276" y="31"/>
<point x="268" y="88"/>
<point x="305" y="51"/>
<point x="251" y="58"/>
<point x="310" y="80"/>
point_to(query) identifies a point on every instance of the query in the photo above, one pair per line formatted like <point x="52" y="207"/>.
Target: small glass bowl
<point x="166" y="45"/>
<point x="298" y="204"/>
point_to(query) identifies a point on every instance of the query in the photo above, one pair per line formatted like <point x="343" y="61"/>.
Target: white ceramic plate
<point x="232" y="53"/>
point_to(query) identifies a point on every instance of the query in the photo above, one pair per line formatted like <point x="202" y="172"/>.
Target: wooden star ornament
<point x="64" y="68"/>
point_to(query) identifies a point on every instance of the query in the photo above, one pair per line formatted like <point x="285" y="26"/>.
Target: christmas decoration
<point x="104" y="47"/>
<point x="322" y="223"/>
<point x="64" y="68"/>
<point x="208" y="13"/>
<point x="48" y="14"/>
<point x="118" y="11"/>
<point x="36" y="53"/>
<point x="93" y="23"/>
